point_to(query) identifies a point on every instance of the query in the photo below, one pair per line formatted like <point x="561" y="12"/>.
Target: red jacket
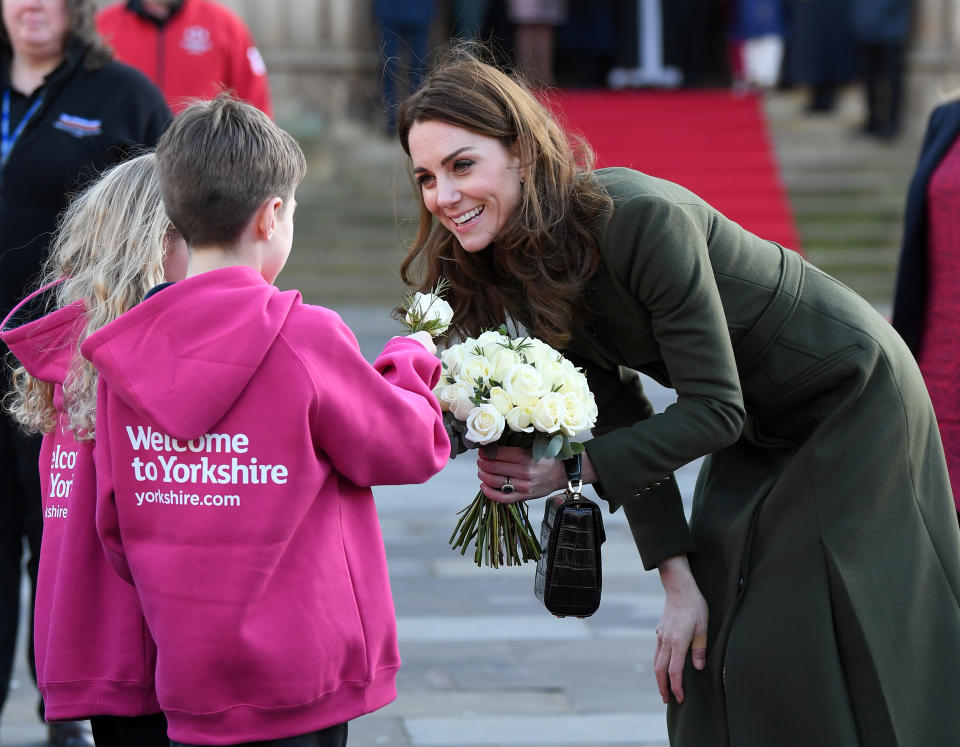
<point x="199" y="49"/>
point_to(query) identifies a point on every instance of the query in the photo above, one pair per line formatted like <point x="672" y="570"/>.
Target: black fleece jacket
<point x="88" y="120"/>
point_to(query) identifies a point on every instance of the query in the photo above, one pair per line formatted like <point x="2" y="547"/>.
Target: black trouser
<point x="333" y="736"/>
<point x="883" y="79"/>
<point x="21" y="518"/>
<point x="120" y="731"/>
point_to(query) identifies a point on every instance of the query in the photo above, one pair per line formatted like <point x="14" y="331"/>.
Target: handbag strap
<point x="574" y="469"/>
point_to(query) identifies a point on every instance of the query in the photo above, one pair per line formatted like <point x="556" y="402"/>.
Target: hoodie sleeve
<point x="108" y="522"/>
<point x="379" y="424"/>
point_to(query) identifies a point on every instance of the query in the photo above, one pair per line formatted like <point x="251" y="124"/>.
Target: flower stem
<point x="503" y="533"/>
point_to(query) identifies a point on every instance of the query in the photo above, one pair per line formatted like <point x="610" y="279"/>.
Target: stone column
<point x="320" y="55"/>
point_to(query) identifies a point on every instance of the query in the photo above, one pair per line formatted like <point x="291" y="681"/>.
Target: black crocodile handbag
<point x="568" y="579"/>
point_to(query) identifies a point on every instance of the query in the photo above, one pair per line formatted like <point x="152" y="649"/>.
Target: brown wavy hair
<point x="535" y="270"/>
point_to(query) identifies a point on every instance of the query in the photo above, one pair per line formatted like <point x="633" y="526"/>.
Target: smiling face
<point x="37" y="28"/>
<point x="470" y="182"/>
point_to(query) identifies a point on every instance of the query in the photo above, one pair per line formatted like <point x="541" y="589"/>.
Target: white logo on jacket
<point x="78" y="126"/>
<point x="257" y="65"/>
<point x="196" y="40"/>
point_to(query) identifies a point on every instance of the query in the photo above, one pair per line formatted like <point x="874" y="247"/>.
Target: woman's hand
<point x="683" y="627"/>
<point x="530" y="479"/>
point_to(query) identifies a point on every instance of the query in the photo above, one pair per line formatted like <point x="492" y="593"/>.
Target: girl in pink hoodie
<point x="95" y="657"/>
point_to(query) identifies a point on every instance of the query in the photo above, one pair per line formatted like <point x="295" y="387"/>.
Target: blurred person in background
<point x="926" y="308"/>
<point x="69" y="111"/>
<point x="404" y="29"/>
<point x="821" y="51"/>
<point x="881" y="28"/>
<point x="756" y="34"/>
<point x="468" y="18"/>
<point x="535" y="27"/>
<point x="191" y="49"/>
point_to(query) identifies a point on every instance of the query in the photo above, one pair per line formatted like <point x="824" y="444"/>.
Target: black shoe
<point x="69" y="734"/>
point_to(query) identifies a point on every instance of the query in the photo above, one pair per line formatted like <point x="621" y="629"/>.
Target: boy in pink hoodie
<point x="94" y="655"/>
<point x="240" y="431"/>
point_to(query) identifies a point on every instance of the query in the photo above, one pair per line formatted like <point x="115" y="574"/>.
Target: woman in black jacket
<point x="926" y="309"/>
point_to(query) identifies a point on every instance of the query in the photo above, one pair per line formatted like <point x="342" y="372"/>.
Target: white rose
<point x="474" y="370"/>
<point x="502" y="360"/>
<point x="457" y="398"/>
<point x="484" y="425"/>
<point x="500" y="399"/>
<point x="427" y="307"/>
<point x="554" y="374"/>
<point x="575" y="382"/>
<point x="441" y="385"/>
<point x="490" y="342"/>
<point x="575" y="415"/>
<point x="520" y="419"/>
<point x="524" y="385"/>
<point x="538" y="353"/>
<point x="548" y="413"/>
<point x="452" y="360"/>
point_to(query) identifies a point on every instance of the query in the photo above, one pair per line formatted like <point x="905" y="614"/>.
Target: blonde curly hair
<point x="108" y="252"/>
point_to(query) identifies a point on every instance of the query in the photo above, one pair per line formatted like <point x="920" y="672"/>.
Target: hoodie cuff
<point x="658" y="523"/>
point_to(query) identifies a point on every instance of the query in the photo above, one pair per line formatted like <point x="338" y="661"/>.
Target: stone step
<point x="871" y="230"/>
<point x="852" y="207"/>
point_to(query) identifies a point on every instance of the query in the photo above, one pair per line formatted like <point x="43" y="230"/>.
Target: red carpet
<point x="714" y="143"/>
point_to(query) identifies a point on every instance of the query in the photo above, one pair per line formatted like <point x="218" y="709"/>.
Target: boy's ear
<point x="267" y="217"/>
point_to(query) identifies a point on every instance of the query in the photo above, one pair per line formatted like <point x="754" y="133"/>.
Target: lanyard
<point x="8" y="138"/>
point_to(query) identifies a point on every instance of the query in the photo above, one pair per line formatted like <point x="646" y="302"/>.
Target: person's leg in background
<point x="142" y="731"/>
<point x="892" y="76"/>
<point x="332" y="736"/>
<point x="871" y="56"/>
<point x="21" y="523"/>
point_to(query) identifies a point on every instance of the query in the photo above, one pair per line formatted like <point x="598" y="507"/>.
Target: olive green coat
<point x="823" y="534"/>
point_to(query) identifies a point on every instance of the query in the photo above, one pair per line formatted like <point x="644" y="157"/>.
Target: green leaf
<point x="554" y="446"/>
<point x="539" y="449"/>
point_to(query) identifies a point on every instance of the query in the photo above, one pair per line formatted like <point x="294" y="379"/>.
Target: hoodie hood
<point x="46" y="346"/>
<point x="198" y="343"/>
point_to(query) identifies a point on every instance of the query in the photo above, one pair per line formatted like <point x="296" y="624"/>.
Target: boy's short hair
<point x="218" y="161"/>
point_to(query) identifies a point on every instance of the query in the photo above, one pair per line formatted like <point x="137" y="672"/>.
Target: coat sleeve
<point x="108" y="521"/>
<point x="657" y="521"/>
<point x="378" y="424"/>
<point x="660" y="254"/>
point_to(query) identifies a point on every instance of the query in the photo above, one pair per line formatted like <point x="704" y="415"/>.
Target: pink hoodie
<point x="239" y="432"/>
<point x="94" y="654"/>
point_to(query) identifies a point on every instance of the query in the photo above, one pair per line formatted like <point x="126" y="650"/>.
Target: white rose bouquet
<point x="513" y="392"/>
